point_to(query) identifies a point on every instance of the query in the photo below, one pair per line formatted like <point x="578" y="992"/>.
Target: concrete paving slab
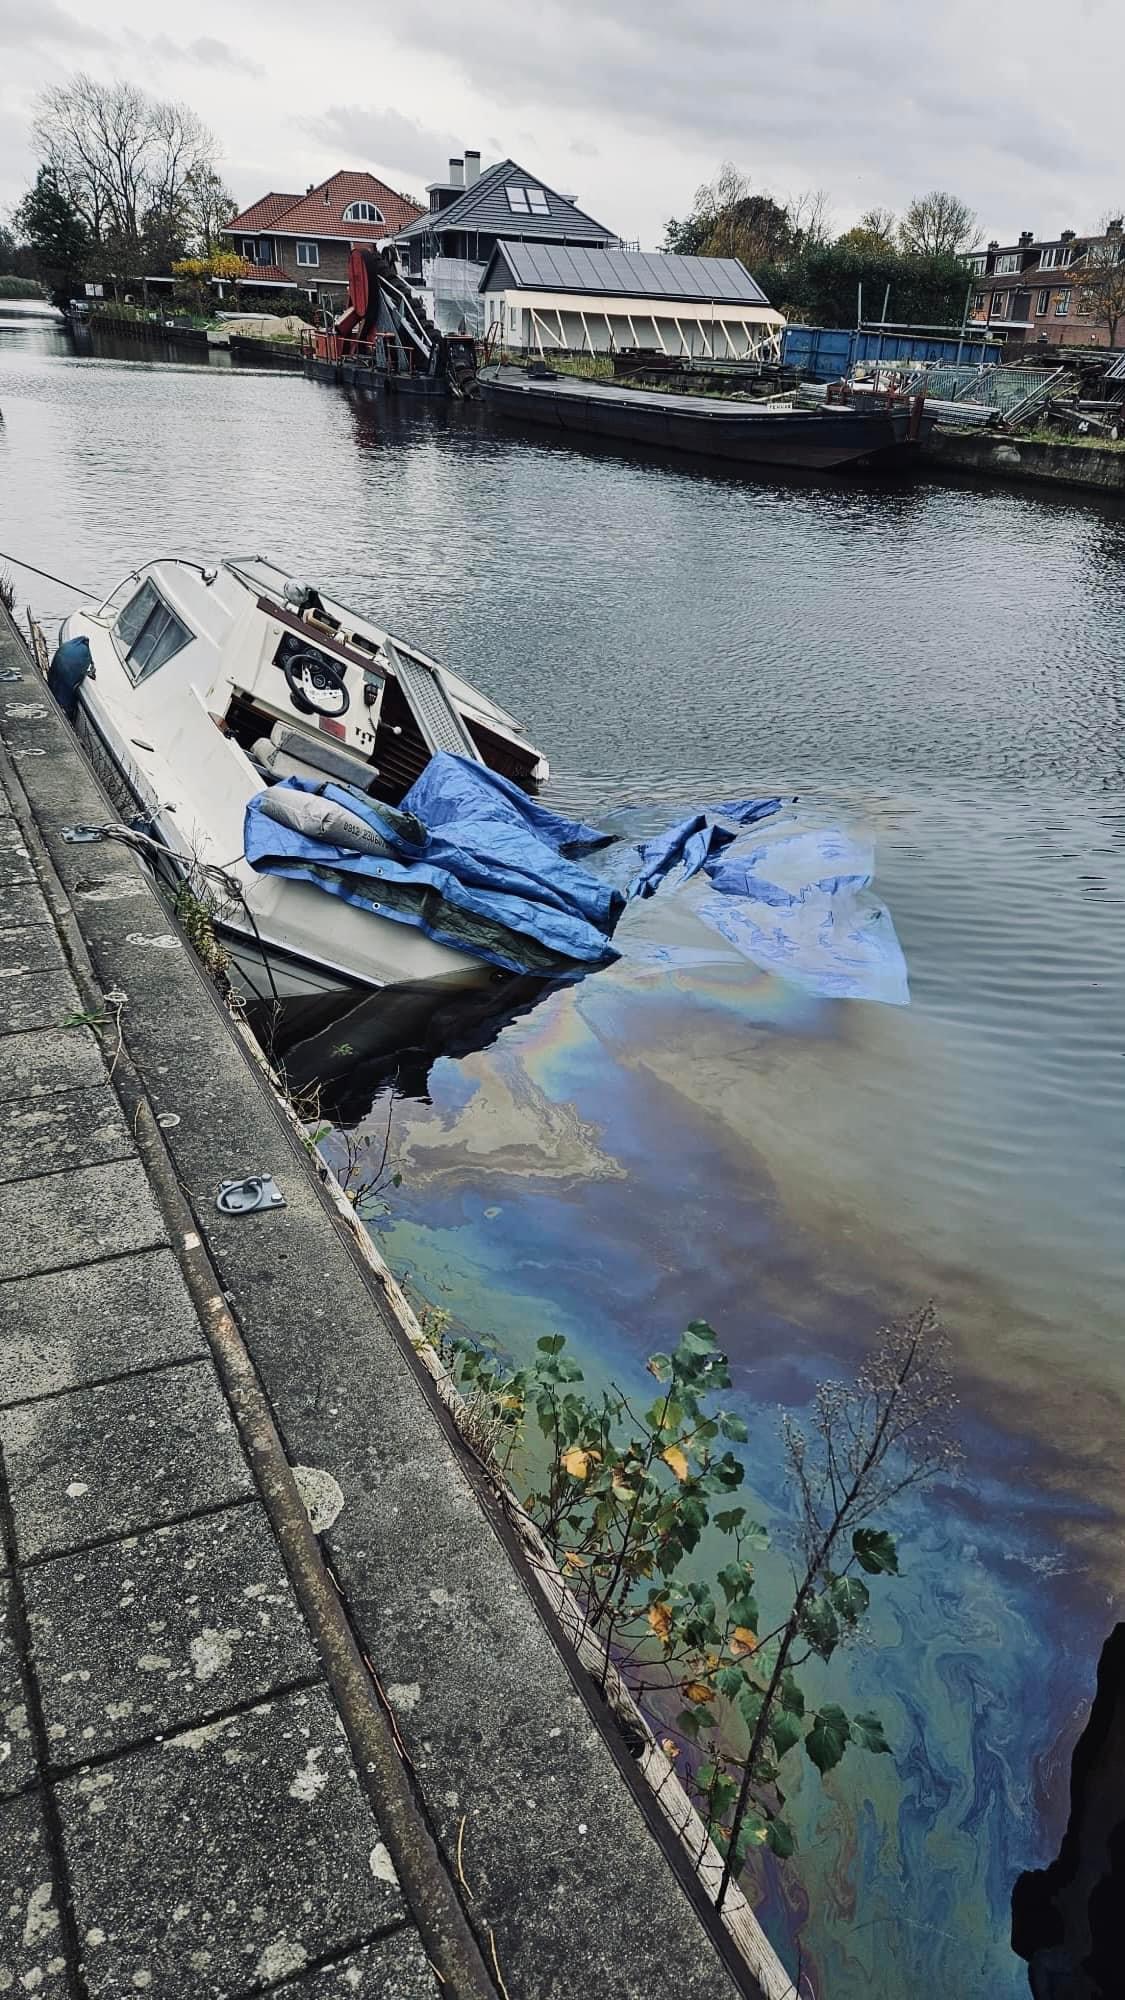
<point x="60" y="1059"/>
<point x="40" y="999"/>
<point x="22" y="903"/>
<point x="224" y="1858"/>
<point x="72" y="1328"/>
<point x="31" y="1949"/>
<point x="17" y="1751"/>
<point x="80" y="1128"/>
<point x="119" y="1458"/>
<point x="75" y="1218"/>
<point x="142" y="1637"/>
<point x="394" y="1969"/>
<point x="24" y="947"/>
<point x="15" y="862"/>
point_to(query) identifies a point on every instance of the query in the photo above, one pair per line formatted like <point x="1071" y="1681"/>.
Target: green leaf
<point x="868" y="1730"/>
<point x="733" y="1427"/>
<point x="687" y="1722"/>
<point x="785" y="1730"/>
<point x="730" y="1520"/>
<point x="752" y="1833"/>
<point x="659" y="1365"/>
<point x="729" y="1681"/>
<point x="790" y="1696"/>
<point x="705" y="1777"/>
<point x="851" y="1597"/>
<point x="875" y="1551"/>
<point x="781" y="1838"/>
<point x="699" y="1338"/>
<point x="750" y="1704"/>
<point x="551" y="1343"/>
<point x="821" y="1627"/>
<point x="827" y="1739"/>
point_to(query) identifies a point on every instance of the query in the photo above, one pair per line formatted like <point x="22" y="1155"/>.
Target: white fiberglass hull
<point x="288" y="940"/>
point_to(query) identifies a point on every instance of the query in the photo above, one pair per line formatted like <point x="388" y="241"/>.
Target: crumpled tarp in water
<point x="496" y="875"/>
<point x="797" y="903"/>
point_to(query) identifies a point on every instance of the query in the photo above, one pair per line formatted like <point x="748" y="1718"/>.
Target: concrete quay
<point x="247" y="1744"/>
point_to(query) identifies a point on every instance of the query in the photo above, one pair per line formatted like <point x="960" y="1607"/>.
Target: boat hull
<point x="260" y="965"/>
<point x="810" y="440"/>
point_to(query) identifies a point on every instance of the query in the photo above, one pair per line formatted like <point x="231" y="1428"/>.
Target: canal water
<point x="683" y="1136"/>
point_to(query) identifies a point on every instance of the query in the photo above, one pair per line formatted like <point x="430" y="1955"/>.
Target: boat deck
<point x="581" y="389"/>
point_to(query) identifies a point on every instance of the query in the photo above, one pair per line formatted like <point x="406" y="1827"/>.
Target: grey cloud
<point x="23" y="26"/>
<point x="890" y="94"/>
<point x="206" y="51"/>
<point x="400" y="144"/>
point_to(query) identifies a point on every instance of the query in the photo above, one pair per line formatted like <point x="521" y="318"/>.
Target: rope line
<point x="5" y="557"/>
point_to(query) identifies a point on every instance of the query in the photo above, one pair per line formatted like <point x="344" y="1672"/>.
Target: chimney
<point x="995" y="243"/>
<point x="1067" y="236"/>
<point x="457" y="173"/>
<point x="1115" y="227"/>
<point x="1027" y="239"/>
<point x="472" y="167"/>
<point x="310" y="187"/>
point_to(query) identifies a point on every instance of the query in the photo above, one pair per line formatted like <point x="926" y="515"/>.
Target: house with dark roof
<point x="548" y="298"/>
<point x="1032" y="291"/>
<point x="301" y="242"/>
<point x="445" y="251"/>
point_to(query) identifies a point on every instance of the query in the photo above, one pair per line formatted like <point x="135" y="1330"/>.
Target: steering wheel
<point x="316" y="686"/>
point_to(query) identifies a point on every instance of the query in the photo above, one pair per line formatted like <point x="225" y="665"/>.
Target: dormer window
<point x="527" y="201"/>
<point x="363" y="211"/>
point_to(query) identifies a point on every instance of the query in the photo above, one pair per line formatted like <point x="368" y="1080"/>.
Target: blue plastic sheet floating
<point x="476" y="864"/>
<point x="798" y="903"/>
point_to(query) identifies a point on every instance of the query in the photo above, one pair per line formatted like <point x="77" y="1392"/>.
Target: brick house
<point x="1030" y="292"/>
<point x="301" y="243"/>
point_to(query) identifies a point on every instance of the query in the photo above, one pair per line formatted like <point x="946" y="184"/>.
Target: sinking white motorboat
<point x="210" y="685"/>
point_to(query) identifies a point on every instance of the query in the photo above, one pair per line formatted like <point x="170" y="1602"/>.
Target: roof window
<point x="363" y="211"/>
<point x="527" y="201"/>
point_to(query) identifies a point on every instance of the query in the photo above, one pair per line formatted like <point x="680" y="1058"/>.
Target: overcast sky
<point x="1015" y="107"/>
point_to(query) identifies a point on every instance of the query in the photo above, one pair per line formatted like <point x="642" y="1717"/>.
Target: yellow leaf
<point x="671" y="1750"/>
<point x="576" y="1462"/>
<point x="676" y="1459"/>
<point x="698" y="1691"/>
<point x="573" y="1560"/>
<point x="743" y="1640"/>
<point x="660" y="1618"/>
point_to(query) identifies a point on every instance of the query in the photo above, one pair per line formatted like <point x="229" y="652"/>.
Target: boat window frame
<point x="142" y="670"/>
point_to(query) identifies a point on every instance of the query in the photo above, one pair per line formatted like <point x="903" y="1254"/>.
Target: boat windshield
<point x="148" y="635"/>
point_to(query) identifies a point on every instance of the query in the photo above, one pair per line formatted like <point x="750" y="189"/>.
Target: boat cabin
<point x="304" y="687"/>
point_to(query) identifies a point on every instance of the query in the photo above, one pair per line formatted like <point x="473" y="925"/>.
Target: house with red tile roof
<point x="301" y="242"/>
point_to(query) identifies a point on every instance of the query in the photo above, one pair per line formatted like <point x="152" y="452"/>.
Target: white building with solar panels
<point x="543" y="298"/>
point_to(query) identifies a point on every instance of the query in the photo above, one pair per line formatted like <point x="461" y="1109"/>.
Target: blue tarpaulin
<point x="486" y="869"/>
<point x="796" y="902"/>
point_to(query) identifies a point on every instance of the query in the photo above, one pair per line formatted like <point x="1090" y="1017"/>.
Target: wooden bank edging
<point x="656" y="1768"/>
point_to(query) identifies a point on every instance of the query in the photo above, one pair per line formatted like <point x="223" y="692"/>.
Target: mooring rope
<point x="82" y="592"/>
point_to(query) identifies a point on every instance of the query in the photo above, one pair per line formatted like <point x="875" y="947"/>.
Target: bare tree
<point x="1100" y="278"/>
<point x="810" y="216"/>
<point x="937" y="225"/>
<point x="880" y="224"/>
<point x="121" y="159"/>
